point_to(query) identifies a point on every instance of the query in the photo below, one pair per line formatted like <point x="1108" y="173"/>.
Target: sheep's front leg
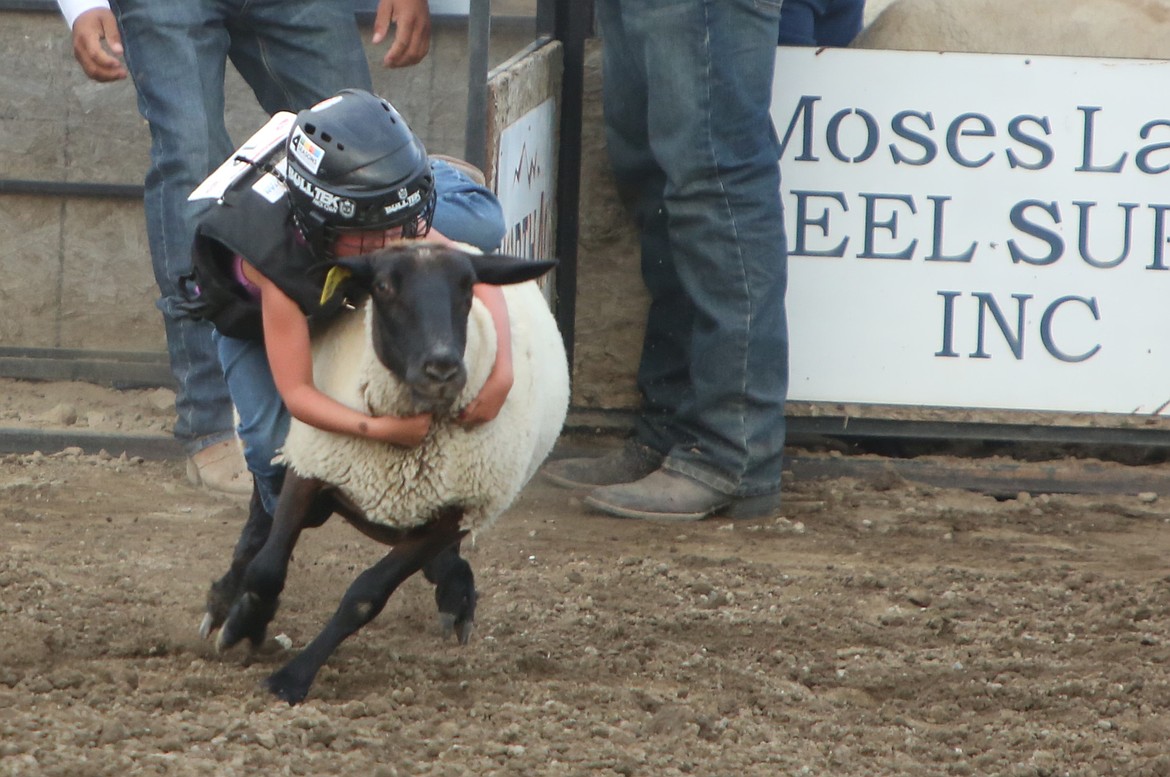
<point x="263" y="580"/>
<point x="454" y="592"/>
<point x="363" y="601"/>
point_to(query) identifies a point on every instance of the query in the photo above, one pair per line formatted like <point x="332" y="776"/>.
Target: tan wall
<point x="611" y="300"/>
<point x="1085" y="28"/>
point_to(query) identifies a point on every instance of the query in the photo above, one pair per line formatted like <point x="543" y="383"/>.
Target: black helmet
<point x="354" y="164"/>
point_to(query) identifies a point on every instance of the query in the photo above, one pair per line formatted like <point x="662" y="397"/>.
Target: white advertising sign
<point x="974" y="230"/>
<point x="525" y="166"/>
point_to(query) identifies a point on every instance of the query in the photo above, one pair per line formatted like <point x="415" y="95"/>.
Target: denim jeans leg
<point x="176" y="56"/>
<point x="466" y="211"/>
<point x="798" y="22"/>
<point x="663" y="377"/>
<point x="701" y="71"/>
<point x="264" y="420"/>
<point x="841" y="22"/>
<point x="664" y="370"/>
<point x="295" y="53"/>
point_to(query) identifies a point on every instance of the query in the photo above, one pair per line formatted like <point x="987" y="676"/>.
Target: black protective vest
<point x="263" y="233"/>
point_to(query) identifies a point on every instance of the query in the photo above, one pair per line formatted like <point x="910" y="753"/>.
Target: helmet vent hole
<point x="326" y="137"/>
<point x="341" y="147"/>
<point x="310" y="129"/>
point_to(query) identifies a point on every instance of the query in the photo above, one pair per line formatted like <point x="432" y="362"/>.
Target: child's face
<point x="355" y="243"/>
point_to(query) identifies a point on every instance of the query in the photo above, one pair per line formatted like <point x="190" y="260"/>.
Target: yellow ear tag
<point x="336" y="276"/>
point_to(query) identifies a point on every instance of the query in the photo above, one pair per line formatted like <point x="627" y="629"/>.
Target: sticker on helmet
<point x="308" y="153"/>
<point x="328" y="202"/>
<point x="406" y="199"/>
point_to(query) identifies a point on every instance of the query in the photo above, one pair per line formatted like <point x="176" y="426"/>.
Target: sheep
<point x="419" y="344"/>
<point x="1087" y="28"/>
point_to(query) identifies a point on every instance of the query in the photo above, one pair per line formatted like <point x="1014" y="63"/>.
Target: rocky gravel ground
<point x="877" y="626"/>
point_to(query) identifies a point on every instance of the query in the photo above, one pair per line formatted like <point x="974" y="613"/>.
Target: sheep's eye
<point x="383" y="287"/>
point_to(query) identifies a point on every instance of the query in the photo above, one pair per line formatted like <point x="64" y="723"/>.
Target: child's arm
<point x="286" y="341"/>
<point x="491" y="397"/>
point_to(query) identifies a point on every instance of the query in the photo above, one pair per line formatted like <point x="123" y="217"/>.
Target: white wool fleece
<point x="482" y="469"/>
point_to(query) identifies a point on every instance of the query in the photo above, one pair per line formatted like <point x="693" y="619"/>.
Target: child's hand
<point x="488" y="402"/>
<point x="407" y="431"/>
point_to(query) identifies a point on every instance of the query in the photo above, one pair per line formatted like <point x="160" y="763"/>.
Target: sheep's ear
<point x="500" y="270"/>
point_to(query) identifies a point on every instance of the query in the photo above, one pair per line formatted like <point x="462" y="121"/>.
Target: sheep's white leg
<point x="364" y="600"/>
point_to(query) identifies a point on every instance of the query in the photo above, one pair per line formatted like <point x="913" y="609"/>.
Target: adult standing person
<point x="292" y="53"/>
<point x="687" y="88"/>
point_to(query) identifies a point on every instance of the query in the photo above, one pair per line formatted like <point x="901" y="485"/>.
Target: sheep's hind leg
<point x="455" y="592"/>
<point x="263" y="580"/>
<point x="363" y="601"/>
<point x="223" y="592"/>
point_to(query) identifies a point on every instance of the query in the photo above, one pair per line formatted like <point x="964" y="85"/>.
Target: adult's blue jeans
<point x="292" y="53"/>
<point x="820" y="22"/>
<point x="465" y="212"/>
<point x="687" y="85"/>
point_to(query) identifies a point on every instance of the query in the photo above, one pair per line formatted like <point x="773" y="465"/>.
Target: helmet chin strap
<point x="317" y="233"/>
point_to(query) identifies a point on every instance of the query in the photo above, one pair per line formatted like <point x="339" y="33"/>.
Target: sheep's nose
<point x="443" y="367"/>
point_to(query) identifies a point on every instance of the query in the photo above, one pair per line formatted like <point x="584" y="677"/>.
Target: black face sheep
<point x="420" y="344"/>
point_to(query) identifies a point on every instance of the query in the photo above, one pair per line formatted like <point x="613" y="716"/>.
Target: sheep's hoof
<point x="207" y="626"/>
<point x="220" y="596"/>
<point x="249" y="619"/>
<point x="456" y="598"/>
<point x="452" y="624"/>
<point x="284" y="684"/>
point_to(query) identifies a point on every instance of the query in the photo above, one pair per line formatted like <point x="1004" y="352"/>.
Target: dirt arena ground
<point x="878" y="626"/>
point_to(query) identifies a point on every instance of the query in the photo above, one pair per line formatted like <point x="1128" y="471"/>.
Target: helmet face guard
<point x="322" y="215"/>
<point x="353" y="165"/>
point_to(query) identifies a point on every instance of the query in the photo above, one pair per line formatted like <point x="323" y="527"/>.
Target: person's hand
<point x="407" y="431"/>
<point x="412" y="31"/>
<point x="97" y="45"/>
<point x="486" y="405"/>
